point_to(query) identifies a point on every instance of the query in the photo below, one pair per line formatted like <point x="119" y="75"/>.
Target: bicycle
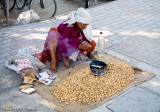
<point x="42" y="7"/>
<point x="11" y="4"/>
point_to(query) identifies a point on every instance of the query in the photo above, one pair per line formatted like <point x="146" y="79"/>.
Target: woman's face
<point x="81" y="25"/>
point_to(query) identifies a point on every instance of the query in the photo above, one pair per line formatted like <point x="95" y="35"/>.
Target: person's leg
<point x="66" y="62"/>
<point x="53" y="36"/>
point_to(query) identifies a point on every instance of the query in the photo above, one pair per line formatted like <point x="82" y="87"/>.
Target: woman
<point x="71" y="38"/>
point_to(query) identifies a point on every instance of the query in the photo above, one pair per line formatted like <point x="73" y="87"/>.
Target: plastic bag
<point x="29" y="16"/>
<point x="45" y="78"/>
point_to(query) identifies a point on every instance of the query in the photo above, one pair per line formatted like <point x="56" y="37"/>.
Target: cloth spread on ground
<point x="21" y="61"/>
<point x="23" y="64"/>
<point x="11" y="64"/>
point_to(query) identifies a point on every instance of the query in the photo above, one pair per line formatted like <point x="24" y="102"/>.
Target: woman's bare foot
<point x="53" y="67"/>
<point x="66" y="62"/>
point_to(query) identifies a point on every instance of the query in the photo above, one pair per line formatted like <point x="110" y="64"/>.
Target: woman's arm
<point x="84" y="46"/>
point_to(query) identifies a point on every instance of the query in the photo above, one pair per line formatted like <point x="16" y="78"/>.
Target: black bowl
<point x="98" y="67"/>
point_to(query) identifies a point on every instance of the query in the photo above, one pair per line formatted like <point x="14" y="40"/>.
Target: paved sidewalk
<point x="63" y="7"/>
<point x="132" y="32"/>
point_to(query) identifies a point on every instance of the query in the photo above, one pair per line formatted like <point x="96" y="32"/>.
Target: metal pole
<point x="7" y="12"/>
<point x="95" y="2"/>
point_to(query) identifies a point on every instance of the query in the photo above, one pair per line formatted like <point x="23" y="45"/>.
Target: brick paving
<point x="130" y="27"/>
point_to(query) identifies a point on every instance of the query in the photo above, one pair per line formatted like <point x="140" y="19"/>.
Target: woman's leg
<point x="66" y="62"/>
<point x="53" y="37"/>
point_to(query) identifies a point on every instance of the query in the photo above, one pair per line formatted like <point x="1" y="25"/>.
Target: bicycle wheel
<point x="20" y="4"/>
<point x="11" y="4"/>
<point x="44" y="8"/>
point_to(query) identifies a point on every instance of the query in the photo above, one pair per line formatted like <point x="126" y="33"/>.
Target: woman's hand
<point x="84" y="46"/>
<point x="53" y="67"/>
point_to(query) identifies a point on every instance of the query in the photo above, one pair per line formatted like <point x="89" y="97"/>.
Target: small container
<point x="98" y="67"/>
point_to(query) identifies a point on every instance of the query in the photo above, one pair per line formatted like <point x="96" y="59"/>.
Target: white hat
<point x="83" y="16"/>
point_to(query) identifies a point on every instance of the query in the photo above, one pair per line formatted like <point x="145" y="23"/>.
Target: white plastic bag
<point x="29" y="16"/>
<point x="26" y="51"/>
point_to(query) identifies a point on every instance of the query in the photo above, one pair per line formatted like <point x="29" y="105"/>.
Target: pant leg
<point x="53" y="36"/>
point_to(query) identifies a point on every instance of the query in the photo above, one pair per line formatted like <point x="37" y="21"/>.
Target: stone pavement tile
<point x="9" y="80"/>
<point x="13" y="52"/>
<point x="28" y="43"/>
<point x="14" y="100"/>
<point x="115" y="41"/>
<point x="5" y="45"/>
<point x="144" y="48"/>
<point x="107" y="45"/>
<point x="113" y="18"/>
<point x="7" y="71"/>
<point x="152" y="84"/>
<point x="35" y="48"/>
<point x="5" y="50"/>
<point x="2" y="64"/>
<point x="20" y="41"/>
<point x="7" y="41"/>
<point x="1" y="39"/>
<point x="112" y="37"/>
<point x="138" y="100"/>
<point x="3" y="55"/>
<point x="101" y="109"/>
<point x="104" y="108"/>
<point x="9" y="37"/>
<point x="16" y="47"/>
<point x="2" y="60"/>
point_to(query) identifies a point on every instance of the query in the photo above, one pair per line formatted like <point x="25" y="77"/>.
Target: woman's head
<point x="83" y="20"/>
<point x="81" y="16"/>
<point x="81" y="25"/>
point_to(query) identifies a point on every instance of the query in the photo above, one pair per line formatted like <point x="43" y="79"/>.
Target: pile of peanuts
<point x="83" y="86"/>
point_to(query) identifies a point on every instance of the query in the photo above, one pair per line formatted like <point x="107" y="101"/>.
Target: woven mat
<point x="45" y="91"/>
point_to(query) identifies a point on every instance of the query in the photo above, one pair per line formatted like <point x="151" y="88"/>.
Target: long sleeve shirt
<point x="70" y="39"/>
